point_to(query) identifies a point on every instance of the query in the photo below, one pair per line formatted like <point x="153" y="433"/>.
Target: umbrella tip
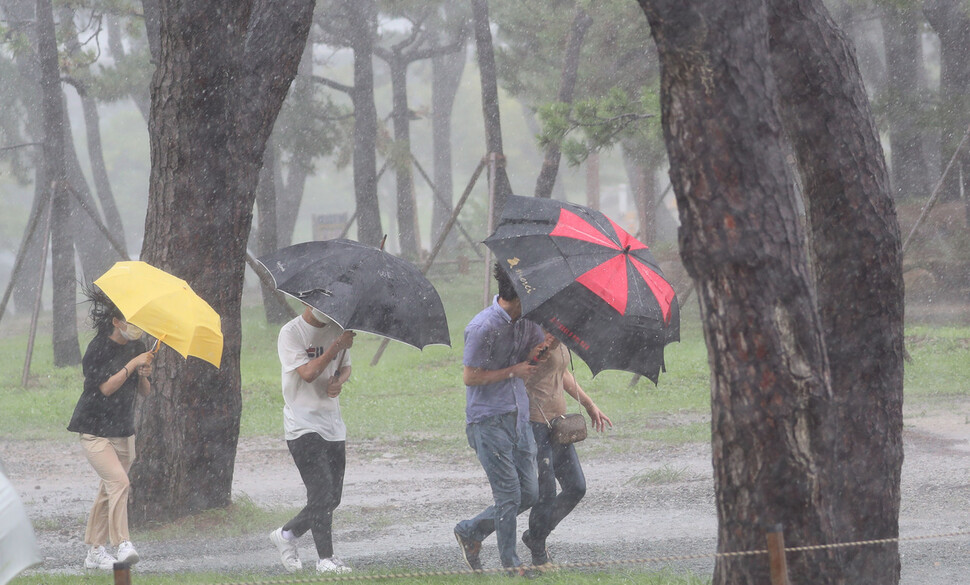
<point x="627" y="249"/>
<point x="384" y="239"/>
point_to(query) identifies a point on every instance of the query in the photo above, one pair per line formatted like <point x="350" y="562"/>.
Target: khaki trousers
<point x="111" y="458"/>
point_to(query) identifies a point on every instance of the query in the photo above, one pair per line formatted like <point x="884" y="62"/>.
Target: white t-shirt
<point x="308" y="409"/>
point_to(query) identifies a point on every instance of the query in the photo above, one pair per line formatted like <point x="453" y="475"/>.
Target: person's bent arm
<point x="480" y="377"/>
<point x="118" y="379"/>
<point x="337" y="382"/>
<point x="311" y="370"/>
<point x="571" y="386"/>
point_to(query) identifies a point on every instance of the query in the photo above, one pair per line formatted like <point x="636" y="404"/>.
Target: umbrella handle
<point x="157" y="345"/>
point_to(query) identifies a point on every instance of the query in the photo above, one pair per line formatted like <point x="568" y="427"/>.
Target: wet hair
<point x="102" y="310"/>
<point x="506" y="291"/>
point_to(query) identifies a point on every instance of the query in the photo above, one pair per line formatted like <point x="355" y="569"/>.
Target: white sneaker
<point x="288" y="553"/>
<point x="332" y="565"/>
<point x="98" y="558"/>
<point x="127" y="553"/>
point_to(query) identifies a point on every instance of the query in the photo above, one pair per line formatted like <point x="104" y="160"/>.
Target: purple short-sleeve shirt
<point x="493" y="342"/>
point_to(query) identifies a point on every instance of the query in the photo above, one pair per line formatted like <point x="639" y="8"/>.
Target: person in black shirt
<point x="116" y="365"/>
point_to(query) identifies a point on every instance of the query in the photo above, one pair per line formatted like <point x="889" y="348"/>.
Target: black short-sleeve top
<point x="95" y="413"/>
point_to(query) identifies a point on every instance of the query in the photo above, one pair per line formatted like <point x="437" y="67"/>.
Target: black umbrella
<point x="362" y="288"/>
<point x="589" y="283"/>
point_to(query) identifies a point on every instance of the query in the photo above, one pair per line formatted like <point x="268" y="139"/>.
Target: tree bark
<point x="65" y="340"/>
<point x="99" y="171"/>
<point x="567" y="86"/>
<point x="742" y="242"/>
<point x="446" y="72"/>
<point x="223" y="71"/>
<point x="858" y="268"/>
<point x="490" y="109"/>
<point x="408" y="235"/>
<point x="904" y="67"/>
<point x="289" y="193"/>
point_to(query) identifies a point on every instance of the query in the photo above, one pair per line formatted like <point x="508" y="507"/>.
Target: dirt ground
<point x="399" y="513"/>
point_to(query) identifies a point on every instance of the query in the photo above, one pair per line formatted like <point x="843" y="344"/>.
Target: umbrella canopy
<point x="18" y="545"/>
<point x="589" y="283"/>
<point x="362" y="288"/>
<point x="165" y="307"/>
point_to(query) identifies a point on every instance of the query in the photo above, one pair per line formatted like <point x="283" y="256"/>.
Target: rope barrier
<point x="594" y="564"/>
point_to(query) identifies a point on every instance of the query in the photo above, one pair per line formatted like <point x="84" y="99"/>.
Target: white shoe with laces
<point x="98" y="558"/>
<point x="127" y="553"/>
<point x="332" y="565"/>
<point x="288" y="553"/>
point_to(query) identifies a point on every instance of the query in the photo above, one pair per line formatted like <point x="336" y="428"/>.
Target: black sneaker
<point x="470" y="550"/>
<point x="540" y="555"/>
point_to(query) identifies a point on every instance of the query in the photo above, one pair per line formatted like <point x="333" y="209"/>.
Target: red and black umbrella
<point x="588" y="282"/>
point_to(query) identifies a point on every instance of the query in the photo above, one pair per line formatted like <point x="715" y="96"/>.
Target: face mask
<point x="130" y="332"/>
<point x="320" y="316"/>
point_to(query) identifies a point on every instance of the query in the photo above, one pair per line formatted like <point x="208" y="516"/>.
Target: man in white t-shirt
<point x="315" y="365"/>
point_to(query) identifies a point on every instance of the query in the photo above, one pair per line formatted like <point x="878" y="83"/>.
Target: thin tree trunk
<point x="904" y="67"/>
<point x="266" y="237"/>
<point x="567" y="86"/>
<point x="742" y="242"/>
<point x="446" y="72"/>
<point x="289" y="193"/>
<point x="490" y="109"/>
<point x="860" y="294"/>
<point x="593" y="180"/>
<point x="951" y="21"/>
<point x="408" y="237"/>
<point x="369" y="230"/>
<point x="99" y="170"/>
<point x="65" y="340"/>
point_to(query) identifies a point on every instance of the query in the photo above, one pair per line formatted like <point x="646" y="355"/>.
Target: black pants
<point x="321" y="464"/>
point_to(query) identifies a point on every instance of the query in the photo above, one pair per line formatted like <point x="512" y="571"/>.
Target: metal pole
<point x="40" y="289"/>
<point x="777" y="564"/>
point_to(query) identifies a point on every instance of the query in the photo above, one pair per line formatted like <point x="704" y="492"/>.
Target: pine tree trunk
<point x="490" y="109"/>
<point x="742" y="242"/>
<point x="369" y="230"/>
<point x="446" y="71"/>
<point x="858" y="267"/>
<point x="218" y="86"/>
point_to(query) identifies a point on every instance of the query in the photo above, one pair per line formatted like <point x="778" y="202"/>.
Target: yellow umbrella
<point x="165" y="307"/>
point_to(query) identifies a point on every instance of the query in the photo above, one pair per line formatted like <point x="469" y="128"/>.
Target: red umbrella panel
<point x="589" y="282"/>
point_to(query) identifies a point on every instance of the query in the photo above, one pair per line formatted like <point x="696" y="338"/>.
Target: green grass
<point x="416" y="398"/>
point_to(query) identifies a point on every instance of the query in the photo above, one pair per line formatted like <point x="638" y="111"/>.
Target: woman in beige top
<point x="547" y="390"/>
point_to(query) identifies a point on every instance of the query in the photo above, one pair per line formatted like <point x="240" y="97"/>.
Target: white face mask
<point x="319" y="316"/>
<point x="130" y="332"/>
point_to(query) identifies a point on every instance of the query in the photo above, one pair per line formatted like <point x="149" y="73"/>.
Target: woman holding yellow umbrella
<point x="116" y="365"/>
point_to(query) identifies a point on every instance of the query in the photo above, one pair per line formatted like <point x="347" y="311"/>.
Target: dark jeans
<point x="555" y="462"/>
<point x="321" y="464"/>
<point x="507" y="455"/>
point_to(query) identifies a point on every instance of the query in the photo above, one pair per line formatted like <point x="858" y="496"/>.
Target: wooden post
<point x="40" y="290"/>
<point x="490" y="225"/>
<point x="122" y="574"/>
<point x="22" y="253"/>
<point x="777" y="564"/>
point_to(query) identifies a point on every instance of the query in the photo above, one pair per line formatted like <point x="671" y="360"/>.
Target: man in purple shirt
<point x="498" y="345"/>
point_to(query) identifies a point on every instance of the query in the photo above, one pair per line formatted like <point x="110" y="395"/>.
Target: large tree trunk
<point x="951" y="21"/>
<point x="369" y="230"/>
<point x="490" y="110"/>
<point x="446" y="71"/>
<point x="66" y="347"/>
<point x="567" y="86"/>
<point x="858" y="268"/>
<point x="742" y="242"/>
<point x="904" y="67"/>
<point x="222" y="73"/>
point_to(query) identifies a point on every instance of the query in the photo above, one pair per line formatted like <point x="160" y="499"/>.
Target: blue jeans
<point x="508" y="456"/>
<point x="555" y="462"/>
